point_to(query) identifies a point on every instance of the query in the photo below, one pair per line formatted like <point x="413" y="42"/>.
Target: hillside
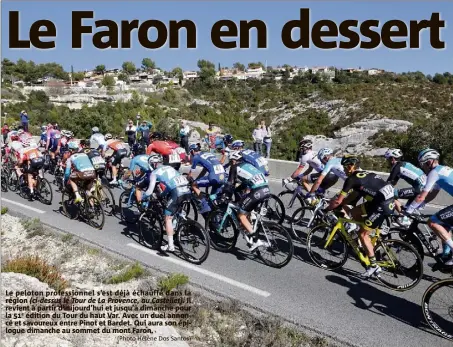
<point x="353" y="113"/>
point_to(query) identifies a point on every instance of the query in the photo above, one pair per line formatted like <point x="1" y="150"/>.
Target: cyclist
<point x="215" y="177"/>
<point x="309" y="161"/>
<point x="43" y="139"/>
<point x="140" y="169"/>
<point x="227" y="143"/>
<point x="169" y="154"/>
<point x="331" y="164"/>
<point x="97" y="140"/>
<point x="257" y="191"/>
<point x="409" y="173"/>
<point x="31" y="161"/>
<point x="66" y="136"/>
<point x="53" y="138"/>
<point x="439" y="177"/>
<point x="172" y="186"/>
<point x="114" y="149"/>
<point x="251" y="157"/>
<point x="14" y="146"/>
<point x="96" y="158"/>
<point x="379" y="197"/>
<point x="78" y="168"/>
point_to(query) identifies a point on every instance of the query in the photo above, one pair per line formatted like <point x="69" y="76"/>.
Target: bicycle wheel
<point x="193" y="241"/>
<point x="13" y="181"/>
<point x="5" y="174"/>
<point x="130" y="212"/>
<point x="299" y="222"/>
<point x="290" y="203"/>
<point x="275" y="209"/>
<point x="389" y="257"/>
<point x="222" y="238"/>
<point x="70" y="208"/>
<point x="107" y="199"/>
<point x="408" y="236"/>
<point x="151" y="229"/>
<point x="189" y="206"/>
<point x="437" y="306"/>
<point x="279" y="241"/>
<point x="331" y="258"/>
<point x="94" y="212"/>
<point x="44" y="191"/>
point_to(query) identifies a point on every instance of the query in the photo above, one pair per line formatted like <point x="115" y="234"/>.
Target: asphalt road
<point x="338" y="304"/>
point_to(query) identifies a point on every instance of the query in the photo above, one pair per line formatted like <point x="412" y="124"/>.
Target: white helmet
<point x="108" y="136"/>
<point x="235" y="155"/>
<point x="323" y="152"/>
<point x="95" y="130"/>
<point x="428" y="154"/>
<point x="393" y="153"/>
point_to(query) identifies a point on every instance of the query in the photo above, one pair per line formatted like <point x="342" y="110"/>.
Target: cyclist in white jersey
<point x="439" y="177"/>
<point x="308" y="162"/>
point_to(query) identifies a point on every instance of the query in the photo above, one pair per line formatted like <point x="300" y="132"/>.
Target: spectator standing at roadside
<point x="5" y="131"/>
<point x="257" y="138"/>
<point x="267" y="138"/>
<point x="211" y="135"/>
<point x="24" y="120"/>
<point x="145" y="129"/>
<point x="184" y="131"/>
<point x="131" y="133"/>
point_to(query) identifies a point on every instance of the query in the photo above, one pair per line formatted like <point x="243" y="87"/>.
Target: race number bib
<point x="174" y="158"/>
<point x="218" y="169"/>
<point x="97" y="160"/>
<point x="181" y="180"/>
<point x="445" y="171"/>
<point x="258" y="179"/>
<point x="388" y="192"/>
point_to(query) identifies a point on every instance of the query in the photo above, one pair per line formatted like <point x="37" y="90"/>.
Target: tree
<point x="100" y="69"/>
<point x="78" y="76"/>
<point x="177" y="72"/>
<point x="123" y="77"/>
<point x="440" y="79"/>
<point x="238" y="66"/>
<point x="108" y="81"/>
<point x="207" y="69"/>
<point x="148" y="64"/>
<point x="129" y="67"/>
<point x="256" y="65"/>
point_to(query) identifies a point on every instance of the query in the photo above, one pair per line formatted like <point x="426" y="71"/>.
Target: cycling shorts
<point x="327" y="182"/>
<point x="376" y="212"/>
<point x="176" y="197"/>
<point x="88" y="175"/>
<point x="118" y="156"/>
<point x="250" y="201"/>
<point x="34" y="165"/>
<point x="407" y="193"/>
<point x="444" y="217"/>
<point x="210" y="181"/>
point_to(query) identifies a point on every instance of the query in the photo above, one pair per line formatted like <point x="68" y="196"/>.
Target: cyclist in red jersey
<point x="170" y="155"/>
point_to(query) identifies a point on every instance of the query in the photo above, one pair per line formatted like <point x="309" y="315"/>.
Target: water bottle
<point x="174" y="223"/>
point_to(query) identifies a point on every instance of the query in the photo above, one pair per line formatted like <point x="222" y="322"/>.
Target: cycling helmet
<point x="20" y="131"/>
<point x="108" y="136"/>
<point x="195" y="147"/>
<point x="350" y="160"/>
<point x="323" y="152"/>
<point x="64" y="133"/>
<point x="237" y="144"/>
<point x="154" y="159"/>
<point x="156" y="136"/>
<point x="393" y="153"/>
<point x="43" y="127"/>
<point x="235" y="155"/>
<point x="428" y="154"/>
<point x="95" y="130"/>
<point x="227" y="139"/>
<point x="72" y="146"/>
<point x="305" y="144"/>
<point x="69" y="134"/>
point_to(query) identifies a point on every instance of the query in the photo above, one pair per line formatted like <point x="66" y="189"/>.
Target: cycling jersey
<point x="369" y="186"/>
<point x="95" y="157"/>
<point x="97" y="141"/>
<point x="256" y="160"/>
<point x="408" y="172"/>
<point x="441" y="177"/>
<point x="140" y="161"/>
<point x="79" y="162"/>
<point x="161" y="147"/>
<point x="334" y="165"/>
<point x="311" y="159"/>
<point x="115" y="144"/>
<point x="249" y="175"/>
<point x="43" y="138"/>
<point x="52" y="142"/>
<point x="30" y="153"/>
<point x="209" y="162"/>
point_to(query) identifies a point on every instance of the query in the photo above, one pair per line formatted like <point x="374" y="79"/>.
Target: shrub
<point x="33" y="227"/>
<point x="4" y="210"/>
<point x="167" y="284"/>
<point x="36" y="267"/>
<point x="135" y="271"/>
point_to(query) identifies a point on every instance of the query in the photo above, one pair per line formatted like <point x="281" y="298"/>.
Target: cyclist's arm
<point x="202" y="173"/>
<point x="317" y="183"/>
<point x="152" y="185"/>
<point x="67" y="171"/>
<point x="394" y="174"/>
<point x="300" y="170"/>
<point x="430" y="185"/>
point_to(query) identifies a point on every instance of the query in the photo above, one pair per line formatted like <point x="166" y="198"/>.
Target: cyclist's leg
<point x="441" y="222"/>
<point x="72" y="182"/>
<point x="248" y="203"/>
<point x="173" y="202"/>
<point x="328" y="182"/>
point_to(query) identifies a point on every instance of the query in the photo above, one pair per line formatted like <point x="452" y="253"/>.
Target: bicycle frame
<point x="297" y="191"/>
<point x="363" y="258"/>
<point x="319" y="207"/>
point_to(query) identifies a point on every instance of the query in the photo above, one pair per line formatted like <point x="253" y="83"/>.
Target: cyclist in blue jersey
<point x="78" y="168"/>
<point x="439" y="177"/>
<point x="53" y="138"/>
<point x="251" y="157"/>
<point x="43" y="139"/>
<point x="257" y="191"/>
<point x="173" y="187"/>
<point x="409" y="173"/>
<point x="215" y="177"/>
<point x="140" y="169"/>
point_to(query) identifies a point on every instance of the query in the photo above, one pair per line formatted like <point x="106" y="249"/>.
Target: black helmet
<point x="305" y="144"/>
<point x="227" y="139"/>
<point x="156" y="136"/>
<point x="349" y="159"/>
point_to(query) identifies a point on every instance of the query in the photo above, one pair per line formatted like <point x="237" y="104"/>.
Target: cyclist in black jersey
<point x="379" y="197"/>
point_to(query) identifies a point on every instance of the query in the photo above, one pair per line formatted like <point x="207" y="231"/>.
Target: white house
<point x="255" y="72"/>
<point x="375" y="71"/>
<point x="190" y="75"/>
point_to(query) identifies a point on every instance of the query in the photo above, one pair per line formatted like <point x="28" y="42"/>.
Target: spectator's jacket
<point x="257" y="135"/>
<point x="184" y="131"/>
<point x="145" y="130"/>
<point x="24" y="118"/>
<point x="130" y="132"/>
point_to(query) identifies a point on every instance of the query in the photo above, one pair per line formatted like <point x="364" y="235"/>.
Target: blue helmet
<point x="227" y="139"/>
<point x="237" y="144"/>
<point x="195" y="147"/>
<point x="428" y="154"/>
<point x="72" y="146"/>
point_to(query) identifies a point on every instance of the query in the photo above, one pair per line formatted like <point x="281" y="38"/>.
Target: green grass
<point x="33" y="227"/>
<point x="133" y="272"/>
<point x="4" y="210"/>
<point x="172" y="281"/>
<point x="67" y="237"/>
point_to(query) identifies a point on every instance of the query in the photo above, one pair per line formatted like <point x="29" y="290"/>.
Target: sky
<point x="205" y="13"/>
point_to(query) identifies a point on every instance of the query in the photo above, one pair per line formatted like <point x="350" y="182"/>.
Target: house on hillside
<point x="375" y="71"/>
<point x="189" y="75"/>
<point x="257" y="72"/>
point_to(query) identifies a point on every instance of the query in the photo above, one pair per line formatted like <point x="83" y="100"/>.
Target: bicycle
<point x="386" y="257"/>
<point x="294" y="196"/>
<point x="88" y="209"/>
<point x="189" y="235"/>
<point x="104" y="194"/>
<point x="43" y="189"/>
<point x="219" y="220"/>
<point x="108" y="171"/>
<point x="441" y="322"/>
